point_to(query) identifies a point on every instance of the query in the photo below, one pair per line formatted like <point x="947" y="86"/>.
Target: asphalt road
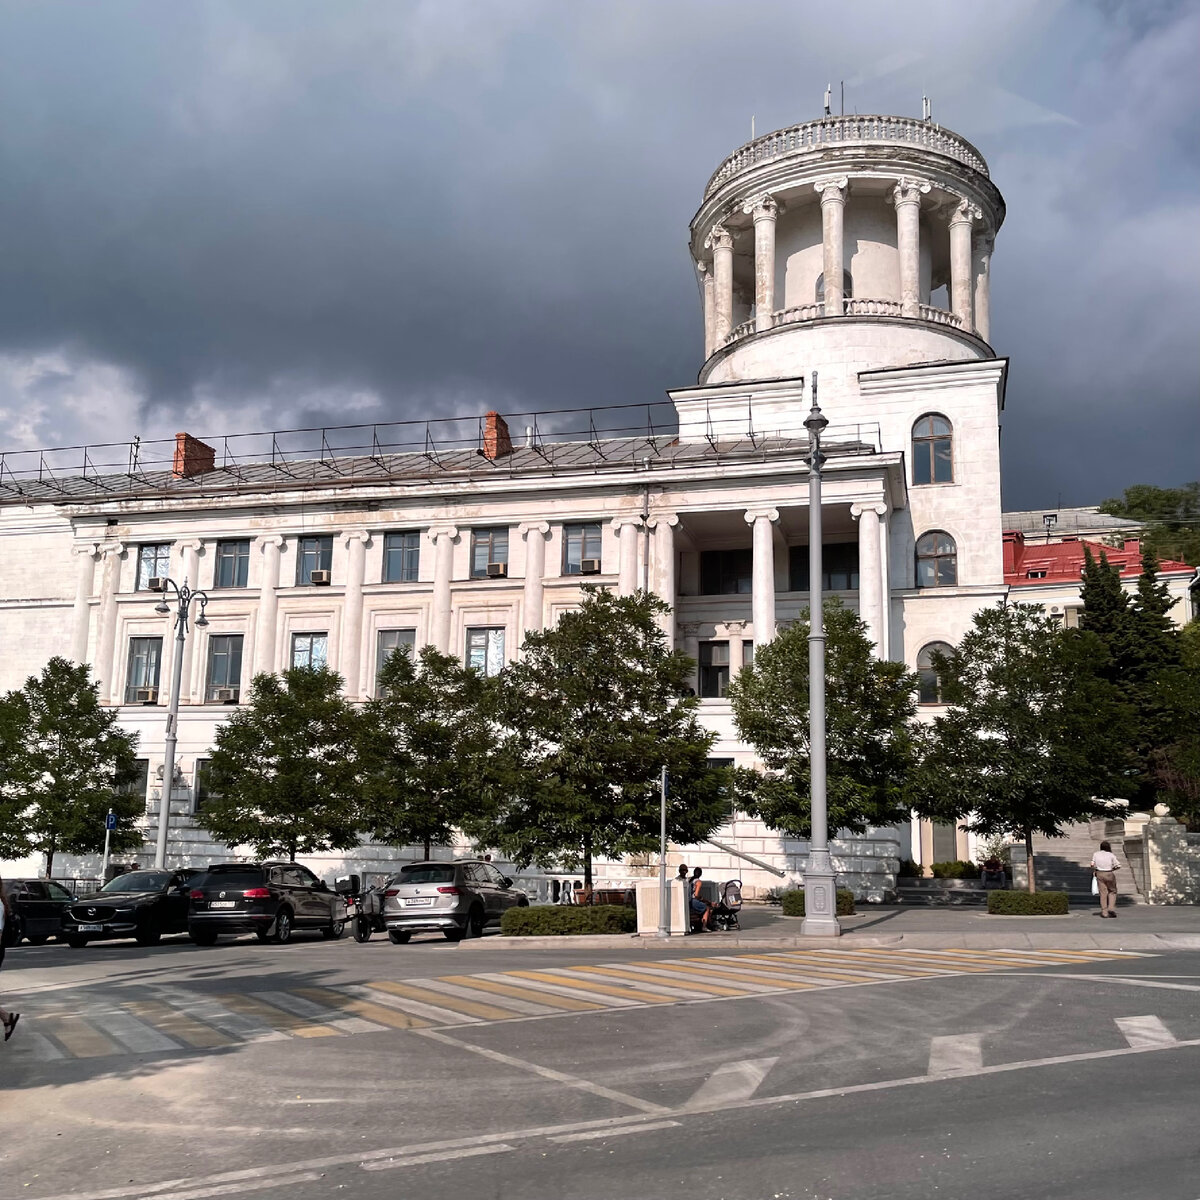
<point x="443" y="1072"/>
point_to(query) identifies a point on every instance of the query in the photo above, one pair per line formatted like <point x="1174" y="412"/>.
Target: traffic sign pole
<point x="110" y="823"/>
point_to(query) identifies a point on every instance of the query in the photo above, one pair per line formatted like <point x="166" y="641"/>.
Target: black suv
<point x="35" y="908"/>
<point x="269" y="899"/>
<point x="139" y="904"/>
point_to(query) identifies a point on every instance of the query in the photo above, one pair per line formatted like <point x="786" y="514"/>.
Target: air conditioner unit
<point x="157" y="583"/>
<point x="589" y="566"/>
<point x="319" y="578"/>
<point x="227" y="695"/>
<point x="147" y="695"/>
<point x="497" y="570"/>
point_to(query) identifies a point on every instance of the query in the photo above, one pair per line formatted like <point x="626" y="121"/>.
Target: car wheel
<point x="452" y="935"/>
<point x="396" y="936"/>
<point x="475" y="923"/>
<point x="333" y="931"/>
<point x="283" y="927"/>
<point x="203" y="937"/>
<point x="39" y="939"/>
<point x="75" y="941"/>
<point x="263" y="935"/>
<point x="149" y="937"/>
<point x="362" y="929"/>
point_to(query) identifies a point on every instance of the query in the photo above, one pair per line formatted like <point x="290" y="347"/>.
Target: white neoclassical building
<point x="855" y="247"/>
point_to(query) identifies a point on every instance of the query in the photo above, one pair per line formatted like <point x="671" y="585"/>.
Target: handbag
<point x="1095" y="886"/>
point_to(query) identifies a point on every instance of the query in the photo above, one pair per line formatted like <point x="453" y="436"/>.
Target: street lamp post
<point x="184" y="596"/>
<point x="820" y="882"/>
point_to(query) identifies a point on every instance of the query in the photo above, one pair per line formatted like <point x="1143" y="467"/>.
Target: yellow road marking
<point x="765" y="963"/>
<point x="277" y="1018"/>
<point x="663" y="981"/>
<point x="472" y="1008"/>
<point x="177" y="1024"/>
<point x="863" y="959"/>
<point x="80" y="1038"/>
<point x="591" y="985"/>
<point x="567" y="1003"/>
<point x="363" y="1008"/>
<point x="766" y="979"/>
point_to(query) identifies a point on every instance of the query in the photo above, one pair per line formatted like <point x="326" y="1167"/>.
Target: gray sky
<point x="263" y="213"/>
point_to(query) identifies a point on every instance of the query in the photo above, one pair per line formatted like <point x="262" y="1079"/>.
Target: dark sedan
<point x="36" y="908"/>
<point x="139" y="904"/>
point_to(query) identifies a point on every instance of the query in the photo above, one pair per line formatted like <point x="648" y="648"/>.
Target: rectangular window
<point x="203" y="793"/>
<point x="310" y="650"/>
<point x="485" y="650"/>
<point x="153" y="562"/>
<point x="232" y="564"/>
<point x="714" y="669"/>
<point x="145" y="659"/>
<point x="224" y="667"/>
<point x="139" y="784"/>
<point x="388" y="642"/>
<point x="488" y="546"/>
<point x="726" y="572"/>
<point x="401" y="557"/>
<point x="580" y="543"/>
<point x="839" y="567"/>
<point x="747" y="654"/>
<point x="312" y="554"/>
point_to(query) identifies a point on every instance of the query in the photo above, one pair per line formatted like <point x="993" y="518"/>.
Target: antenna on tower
<point x="829" y="99"/>
<point x="843" y="97"/>
<point x="752" y="127"/>
<point x="926" y="109"/>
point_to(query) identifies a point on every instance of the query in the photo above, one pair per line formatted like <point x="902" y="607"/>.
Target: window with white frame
<point x="401" y="557"/>
<point x="929" y="682"/>
<point x="312" y="554"/>
<point x="141" y="675"/>
<point x="224" y="667"/>
<point x="153" y="562"/>
<point x="489" y="547"/>
<point x="714" y="669"/>
<point x="933" y="450"/>
<point x="581" y="543"/>
<point x="310" y="650"/>
<point x="232" y="564"/>
<point x="485" y="649"/>
<point x="387" y="642"/>
<point x="937" y="560"/>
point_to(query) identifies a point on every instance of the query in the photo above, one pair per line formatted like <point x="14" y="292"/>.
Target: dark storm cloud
<point x="234" y="216"/>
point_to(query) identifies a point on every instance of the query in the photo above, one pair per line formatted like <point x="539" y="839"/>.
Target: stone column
<point x="870" y="581"/>
<point x="534" y="533"/>
<point x="350" y="656"/>
<point x="190" y="566"/>
<point x="689" y="633"/>
<point x="963" y="218"/>
<point x="764" y="210"/>
<point x="710" y="312"/>
<point x="271" y="547"/>
<point x="763" y="578"/>
<point x="663" y="525"/>
<point x="735" y="632"/>
<point x="628" y="532"/>
<point x="443" y="573"/>
<point x="906" y="196"/>
<point x="833" y="205"/>
<point x="982" y="245"/>
<point x="81" y="612"/>
<point x="720" y="241"/>
<point x="112" y="553"/>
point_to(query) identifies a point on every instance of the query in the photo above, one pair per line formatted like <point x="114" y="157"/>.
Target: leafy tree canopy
<point x="870" y="735"/>
<point x="1171" y="516"/>
<point x="284" y="774"/>
<point x="63" y="760"/>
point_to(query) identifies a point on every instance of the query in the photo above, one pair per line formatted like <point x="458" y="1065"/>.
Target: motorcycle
<point x="364" y="908"/>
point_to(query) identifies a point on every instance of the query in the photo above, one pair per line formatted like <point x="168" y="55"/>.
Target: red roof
<point x="1027" y="564"/>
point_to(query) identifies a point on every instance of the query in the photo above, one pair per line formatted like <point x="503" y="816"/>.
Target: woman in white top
<point x="1105" y="868"/>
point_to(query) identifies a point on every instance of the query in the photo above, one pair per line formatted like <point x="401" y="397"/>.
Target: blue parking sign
<point x="110" y="821"/>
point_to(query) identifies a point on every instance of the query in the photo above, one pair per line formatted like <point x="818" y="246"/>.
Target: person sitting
<point x="993" y="875"/>
<point x="700" y="907"/>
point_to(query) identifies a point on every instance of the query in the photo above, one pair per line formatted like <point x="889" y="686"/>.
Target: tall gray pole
<point x="820" y="881"/>
<point x="664" y="899"/>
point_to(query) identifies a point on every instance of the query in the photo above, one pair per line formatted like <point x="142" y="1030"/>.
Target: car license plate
<point x="91" y="929"/>
<point x="416" y="901"/>
<point x="221" y="903"/>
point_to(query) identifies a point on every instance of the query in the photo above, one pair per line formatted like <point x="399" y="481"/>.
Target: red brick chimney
<point x="1014" y="543"/>
<point x="496" y="441"/>
<point x="192" y="457"/>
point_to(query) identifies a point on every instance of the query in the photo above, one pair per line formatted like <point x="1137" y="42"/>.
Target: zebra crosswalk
<point x="174" y="1019"/>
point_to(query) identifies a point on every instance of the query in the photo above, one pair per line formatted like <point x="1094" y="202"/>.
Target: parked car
<point x="268" y="899"/>
<point x="139" y="904"/>
<point x="456" y="899"/>
<point x="36" y="909"/>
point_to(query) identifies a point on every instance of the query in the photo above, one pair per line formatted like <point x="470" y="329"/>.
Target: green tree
<point x="871" y="738"/>
<point x="594" y="709"/>
<point x="1033" y="734"/>
<point x="285" y="773"/>
<point x="1106" y="610"/>
<point x="1171" y="518"/>
<point x="429" y="748"/>
<point x="62" y="761"/>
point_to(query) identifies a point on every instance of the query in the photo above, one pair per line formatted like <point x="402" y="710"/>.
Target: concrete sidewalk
<point x="1138" y="927"/>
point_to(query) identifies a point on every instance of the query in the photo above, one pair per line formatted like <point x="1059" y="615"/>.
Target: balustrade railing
<point x="802" y="312"/>
<point x="740" y="331"/>
<point x="872" y="308"/>
<point x="840" y="130"/>
<point x="854" y="307"/>
<point x="939" y="316"/>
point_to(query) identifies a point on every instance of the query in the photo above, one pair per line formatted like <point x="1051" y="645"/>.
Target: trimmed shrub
<point x="908" y="869"/>
<point x="955" y="870"/>
<point x="1027" y="904"/>
<point x="566" y="920"/>
<point x="793" y="903"/>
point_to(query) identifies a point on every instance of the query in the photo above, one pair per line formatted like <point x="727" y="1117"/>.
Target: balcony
<point x="852" y="308"/>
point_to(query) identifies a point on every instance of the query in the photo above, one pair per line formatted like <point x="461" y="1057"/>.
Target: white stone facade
<point x="714" y="520"/>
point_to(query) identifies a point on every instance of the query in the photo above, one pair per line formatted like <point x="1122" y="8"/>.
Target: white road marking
<point x="35" y="1046"/>
<point x="203" y="1008"/>
<point x="591" y="1135"/>
<point x="555" y="989"/>
<point x="444" y="1156"/>
<point x="415" y="1008"/>
<point x="521" y="1064"/>
<point x="133" y="1034"/>
<point x="697" y="972"/>
<point x="528" y="1007"/>
<point x="1145" y="1031"/>
<point x="1128" y="980"/>
<point x="956" y="1055"/>
<point x="732" y="1081"/>
<point x="300" y="1007"/>
<point x="229" y="1189"/>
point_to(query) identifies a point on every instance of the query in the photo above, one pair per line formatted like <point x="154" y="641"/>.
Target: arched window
<point x="847" y="287"/>
<point x="929" y="687"/>
<point x="937" y="560"/>
<point x="933" y="450"/>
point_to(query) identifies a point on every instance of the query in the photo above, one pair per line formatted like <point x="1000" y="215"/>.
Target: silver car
<point x="456" y="899"/>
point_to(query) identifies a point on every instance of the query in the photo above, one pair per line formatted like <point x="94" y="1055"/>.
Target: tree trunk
<point x="1030" y="872"/>
<point x="50" y="862"/>
<point x="428" y="846"/>
<point x="587" y="861"/>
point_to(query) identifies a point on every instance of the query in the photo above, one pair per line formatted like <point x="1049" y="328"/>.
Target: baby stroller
<point x="724" y="915"/>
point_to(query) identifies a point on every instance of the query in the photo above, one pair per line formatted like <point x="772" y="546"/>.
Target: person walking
<point x="1105" y="868"/>
<point x="8" y="1020"/>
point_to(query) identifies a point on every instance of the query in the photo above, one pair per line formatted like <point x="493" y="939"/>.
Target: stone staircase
<point x="1063" y="864"/>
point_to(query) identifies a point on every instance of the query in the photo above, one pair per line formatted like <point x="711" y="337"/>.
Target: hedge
<point x="1027" y="904"/>
<point x="555" y="920"/>
<point x="793" y="903"/>
<point x="955" y="870"/>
